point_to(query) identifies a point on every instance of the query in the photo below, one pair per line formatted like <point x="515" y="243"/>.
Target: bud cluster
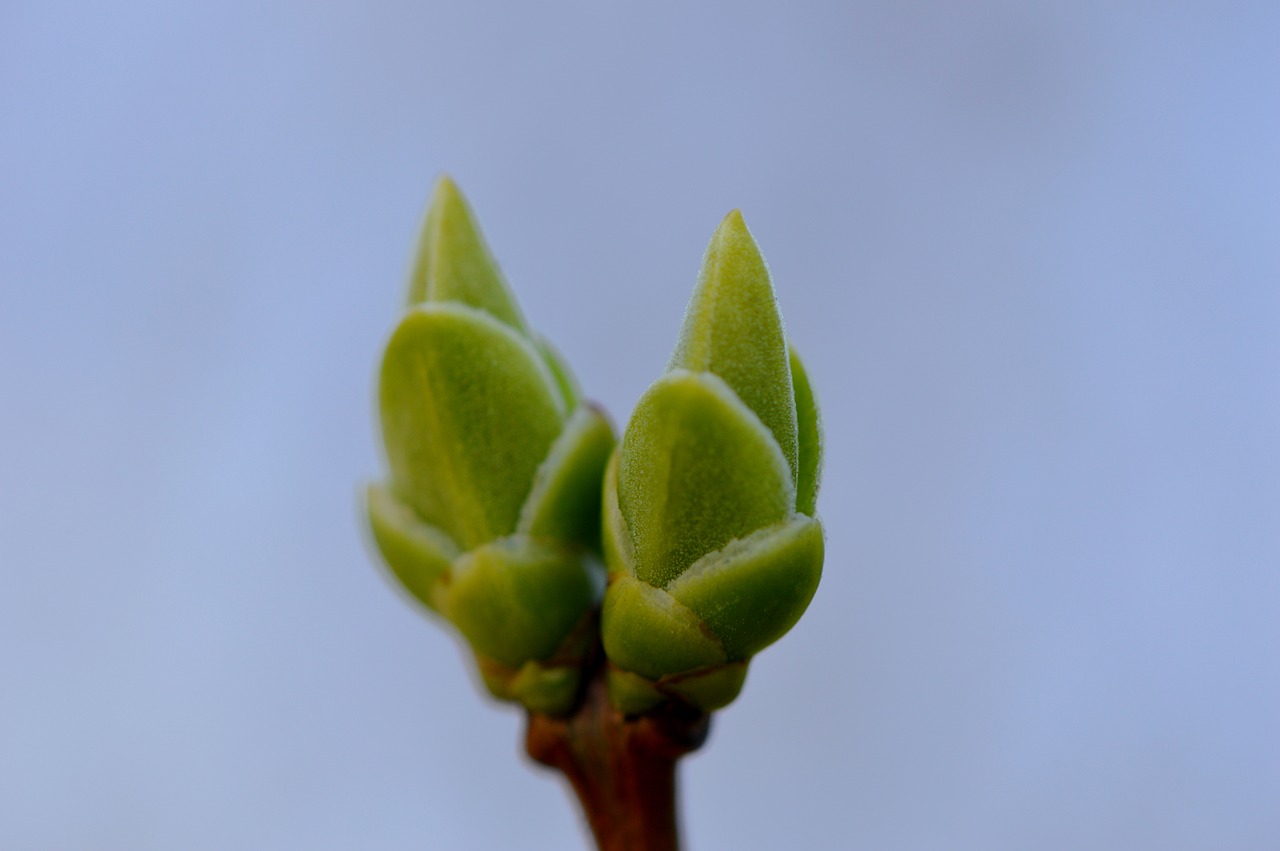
<point x="509" y="511"/>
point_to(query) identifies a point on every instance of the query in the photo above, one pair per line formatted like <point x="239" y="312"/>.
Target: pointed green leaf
<point x="809" y="419"/>
<point x="565" y="500"/>
<point x="755" y="589"/>
<point x="696" y="470"/>
<point x="647" y="632"/>
<point x="518" y="598"/>
<point x="417" y="553"/>
<point x="469" y="411"/>
<point x="454" y="264"/>
<point x="732" y="327"/>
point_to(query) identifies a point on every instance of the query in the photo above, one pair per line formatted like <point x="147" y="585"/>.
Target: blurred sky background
<point x="1030" y="251"/>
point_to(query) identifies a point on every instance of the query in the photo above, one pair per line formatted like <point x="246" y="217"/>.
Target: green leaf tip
<point x="454" y="262"/>
<point x="733" y="328"/>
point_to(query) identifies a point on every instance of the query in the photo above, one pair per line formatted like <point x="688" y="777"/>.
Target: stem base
<point x="622" y="770"/>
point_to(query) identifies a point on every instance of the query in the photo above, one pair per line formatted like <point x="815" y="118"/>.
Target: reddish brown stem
<point x="622" y="770"/>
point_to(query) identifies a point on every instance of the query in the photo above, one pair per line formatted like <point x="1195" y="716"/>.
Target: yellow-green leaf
<point x="809" y="420"/>
<point x="565" y="500"/>
<point x="469" y="411"/>
<point x="755" y="589"/>
<point x="518" y="598"/>
<point x="696" y="470"/>
<point x="647" y="632"/>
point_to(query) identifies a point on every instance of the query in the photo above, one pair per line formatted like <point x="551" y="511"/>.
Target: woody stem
<point x="623" y="770"/>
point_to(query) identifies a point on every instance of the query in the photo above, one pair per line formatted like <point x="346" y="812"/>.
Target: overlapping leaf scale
<point x="454" y="263"/>
<point x="453" y="382"/>
<point x="751" y="592"/>
<point x="516" y="599"/>
<point x="696" y="470"/>
<point x="650" y="633"/>
<point x="418" y="554"/>
<point x="564" y="502"/>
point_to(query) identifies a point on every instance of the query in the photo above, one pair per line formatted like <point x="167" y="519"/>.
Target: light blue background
<point x="1031" y="252"/>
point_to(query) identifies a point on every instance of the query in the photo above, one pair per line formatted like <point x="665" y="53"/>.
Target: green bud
<point x="710" y="537"/>
<point x="491" y="515"/>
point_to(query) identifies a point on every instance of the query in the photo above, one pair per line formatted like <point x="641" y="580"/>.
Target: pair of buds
<point x="509" y="510"/>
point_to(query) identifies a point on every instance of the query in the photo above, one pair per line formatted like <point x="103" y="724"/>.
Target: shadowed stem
<point x="622" y="770"/>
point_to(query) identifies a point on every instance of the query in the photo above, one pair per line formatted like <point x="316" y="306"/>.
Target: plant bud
<point x="710" y="537"/>
<point x="490" y="516"/>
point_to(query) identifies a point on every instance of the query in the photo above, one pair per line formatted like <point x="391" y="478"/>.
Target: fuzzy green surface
<point x="565" y="500"/>
<point x="417" y="553"/>
<point x="469" y="412"/>
<point x="646" y="631"/>
<point x="809" y="420"/>
<point x="711" y="689"/>
<point x="454" y="263"/>
<point x="756" y="588"/>
<point x="517" y="599"/>
<point x="696" y="470"/>
<point x="732" y="328"/>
